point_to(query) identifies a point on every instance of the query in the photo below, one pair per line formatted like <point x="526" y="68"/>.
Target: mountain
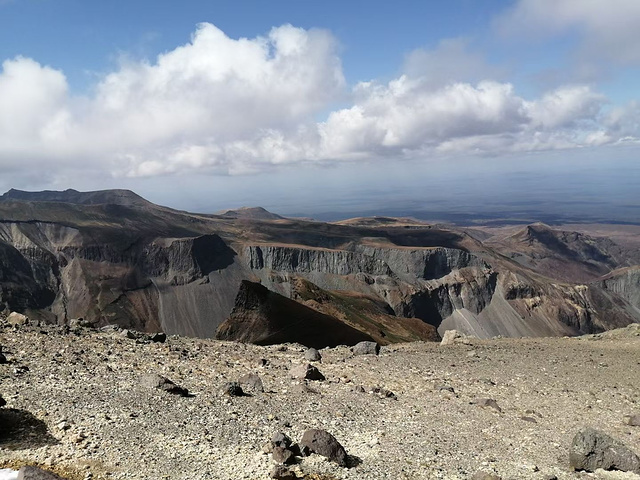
<point x="114" y="197"/>
<point x="112" y="257"/>
<point x="251" y="213"/>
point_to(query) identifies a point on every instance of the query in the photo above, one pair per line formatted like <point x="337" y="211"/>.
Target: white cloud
<point x="33" y="106"/>
<point x="219" y="105"/>
<point x="608" y="29"/>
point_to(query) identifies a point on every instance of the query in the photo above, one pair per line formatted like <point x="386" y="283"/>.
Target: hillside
<point x="67" y="255"/>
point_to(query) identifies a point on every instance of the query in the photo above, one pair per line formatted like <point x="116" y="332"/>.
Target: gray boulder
<point x="153" y="380"/>
<point x="325" y="444"/>
<point x="592" y="449"/>
<point x="34" y="473"/>
<point x="312" y="355"/>
<point x="632" y="420"/>
<point x="251" y="383"/>
<point x="366" y="348"/>
<point x="307" y="372"/>
<point x="16" y="319"/>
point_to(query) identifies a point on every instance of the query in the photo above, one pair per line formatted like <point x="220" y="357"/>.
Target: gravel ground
<point x="76" y="405"/>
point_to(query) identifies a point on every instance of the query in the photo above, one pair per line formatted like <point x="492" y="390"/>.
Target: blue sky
<point x="245" y="95"/>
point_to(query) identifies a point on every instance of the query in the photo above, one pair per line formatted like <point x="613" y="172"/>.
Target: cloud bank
<point x="219" y="105"/>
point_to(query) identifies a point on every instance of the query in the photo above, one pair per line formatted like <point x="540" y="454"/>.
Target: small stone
<point x="233" y="389"/>
<point x="34" y="473"/>
<point x="263" y="362"/>
<point x="592" y="449"/>
<point x="487" y="402"/>
<point x="3" y="359"/>
<point x="16" y="319"/>
<point x="632" y="420"/>
<point x="159" y="337"/>
<point x="312" y="355"/>
<point x="307" y="372"/>
<point x="366" y="348"/>
<point x="251" y="383"/>
<point x="445" y="388"/>
<point x="529" y="419"/>
<point x="63" y="425"/>
<point x="280" y="472"/>
<point x="153" y="380"/>
<point x="325" y="444"/>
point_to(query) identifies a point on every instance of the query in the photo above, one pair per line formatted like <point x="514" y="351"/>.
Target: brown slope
<point x="365" y="313"/>
<point x="561" y="255"/>
<point x="263" y="317"/>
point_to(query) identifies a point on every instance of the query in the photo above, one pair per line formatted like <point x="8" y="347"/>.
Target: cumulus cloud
<point x="219" y="105"/>
<point x="608" y="30"/>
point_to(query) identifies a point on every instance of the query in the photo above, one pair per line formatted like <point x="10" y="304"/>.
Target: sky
<point x="519" y="107"/>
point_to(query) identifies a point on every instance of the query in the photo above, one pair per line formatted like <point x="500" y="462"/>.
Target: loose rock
<point x="307" y="372"/>
<point x="366" y="348"/>
<point x="251" y="383"/>
<point x="632" y="420"/>
<point x="312" y="355"/>
<point x="325" y="444"/>
<point x="159" y="337"/>
<point x="153" y="380"/>
<point x="16" y="319"/>
<point x="452" y="336"/>
<point x="487" y="402"/>
<point x="280" y="472"/>
<point x="283" y="455"/>
<point x="592" y="449"/>
<point x="34" y="473"/>
<point x="485" y="476"/>
<point x="128" y="334"/>
<point x="280" y="439"/>
<point x="233" y="389"/>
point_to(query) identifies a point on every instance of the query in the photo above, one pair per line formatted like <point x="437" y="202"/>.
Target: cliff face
<point x="150" y="268"/>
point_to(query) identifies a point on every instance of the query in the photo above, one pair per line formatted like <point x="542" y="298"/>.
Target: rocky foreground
<point x="89" y="404"/>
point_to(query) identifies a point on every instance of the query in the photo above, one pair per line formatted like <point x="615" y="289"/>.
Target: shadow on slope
<point x="264" y="317"/>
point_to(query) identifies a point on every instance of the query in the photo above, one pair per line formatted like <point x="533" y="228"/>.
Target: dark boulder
<point x="307" y="372"/>
<point x="325" y="444"/>
<point x="592" y="449"/>
<point x="153" y="380"/>
<point x="233" y="389"/>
